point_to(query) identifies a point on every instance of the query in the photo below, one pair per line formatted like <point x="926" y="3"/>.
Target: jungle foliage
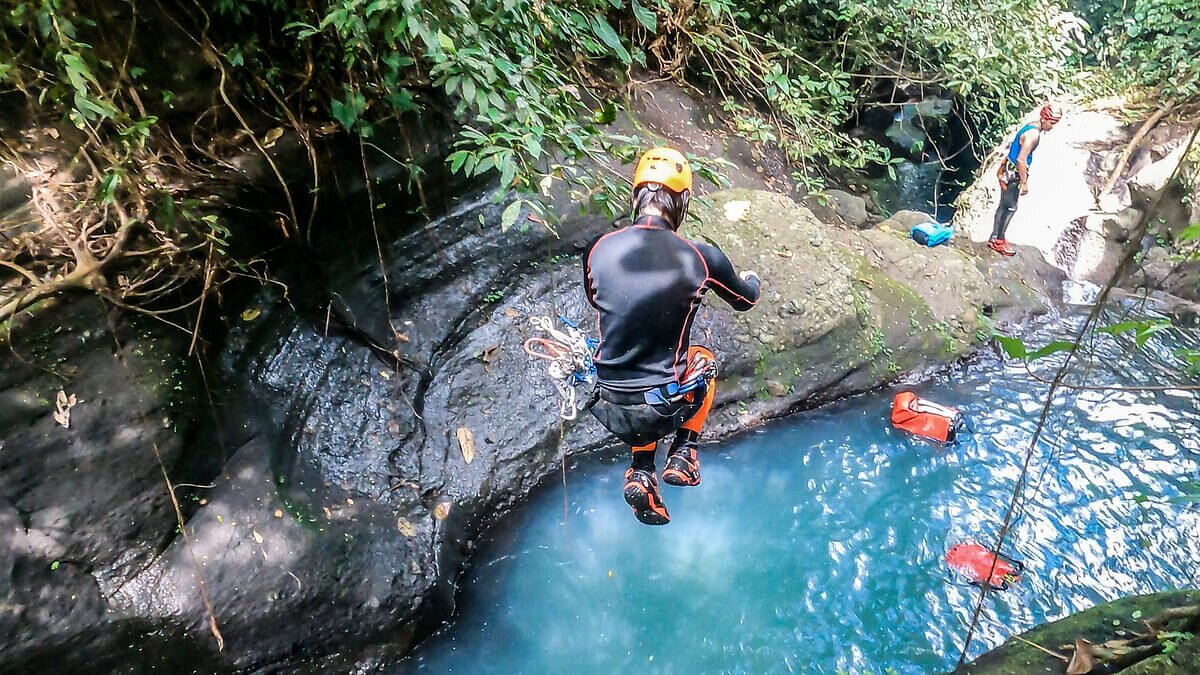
<point x="527" y="76"/>
<point x="530" y="86"/>
<point x="1146" y="43"/>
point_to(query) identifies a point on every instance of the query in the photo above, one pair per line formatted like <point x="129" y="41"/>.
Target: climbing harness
<point x="700" y="370"/>
<point x="569" y="352"/>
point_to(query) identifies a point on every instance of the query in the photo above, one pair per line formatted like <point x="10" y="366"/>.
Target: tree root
<point x="1116" y="655"/>
<point x="1134" y="142"/>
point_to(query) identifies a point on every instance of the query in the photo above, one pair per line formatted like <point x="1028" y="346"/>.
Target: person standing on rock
<point x="1014" y="173"/>
<point x="647" y="282"/>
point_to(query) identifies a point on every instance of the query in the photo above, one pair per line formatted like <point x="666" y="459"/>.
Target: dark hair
<point x="673" y="205"/>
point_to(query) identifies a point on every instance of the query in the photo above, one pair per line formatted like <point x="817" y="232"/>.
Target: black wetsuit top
<point x="647" y="282"/>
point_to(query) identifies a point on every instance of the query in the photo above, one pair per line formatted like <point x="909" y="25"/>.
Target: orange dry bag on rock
<point x="925" y="418"/>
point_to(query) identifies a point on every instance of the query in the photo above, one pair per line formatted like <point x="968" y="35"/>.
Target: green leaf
<point x="303" y="30"/>
<point x="344" y="113"/>
<point x="167" y="212"/>
<point x="1013" y="347"/>
<point x="91" y="109"/>
<point x="508" y="173"/>
<point x="456" y="160"/>
<point x="54" y="565"/>
<point x="608" y="36"/>
<point x="1122" y="327"/>
<point x="108" y="187"/>
<point x="606" y="114"/>
<point x="445" y="42"/>
<point x="1144" y="335"/>
<point x="76" y="68"/>
<point x="1051" y="348"/>
<point x="509" y="217"/>
<point x="533" y="147"/>
<point x="1189" y="233"/>
<point x="645" y="17"/>
<point x="1144" y="329"/>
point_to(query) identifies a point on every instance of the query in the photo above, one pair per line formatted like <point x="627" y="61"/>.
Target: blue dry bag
<point x="931" y="234"/>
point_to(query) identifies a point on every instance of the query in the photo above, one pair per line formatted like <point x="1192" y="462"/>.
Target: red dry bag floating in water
<point x="974" y="563"/>
<point x="925" y="418"/>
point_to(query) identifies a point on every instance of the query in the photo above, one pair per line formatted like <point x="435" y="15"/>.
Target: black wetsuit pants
<point x="1009" y="195"/>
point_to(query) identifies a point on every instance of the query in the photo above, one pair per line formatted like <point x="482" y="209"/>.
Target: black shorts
<point x="643" y="423"/>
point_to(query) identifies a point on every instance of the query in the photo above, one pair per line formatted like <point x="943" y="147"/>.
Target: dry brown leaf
<point x="406" y="528"/>
<point x="442" y="510"/>
<point x="490" y="353"/>
<point x="251" y="314"/>
<point x="1083" y="661"/>
<point x="272" y="136"/>
<point x="1116" y="644"/>
<point x="466" y="443"/>
<point x="257" y="537"/>
<point x="784" y="253"/>
<point x="62" y="408"/>
<point x="278" y="513"/>
<point x="865" y="282"/>
<point x="510" y="312"/>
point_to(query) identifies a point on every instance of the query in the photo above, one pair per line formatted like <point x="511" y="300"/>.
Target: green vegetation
<point x="132" y="114"/>
<point x="1146" y="43"/>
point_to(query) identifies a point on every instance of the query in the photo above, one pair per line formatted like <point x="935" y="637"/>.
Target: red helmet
<point x="1051" y="112"/>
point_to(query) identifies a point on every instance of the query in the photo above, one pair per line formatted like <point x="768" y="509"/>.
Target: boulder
<point x="907" y="218"/>
<point x="851" y="209"/>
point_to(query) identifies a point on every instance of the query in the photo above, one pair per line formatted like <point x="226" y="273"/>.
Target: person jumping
<point x="1013" y="174"/>
<point x="647" y="282"/>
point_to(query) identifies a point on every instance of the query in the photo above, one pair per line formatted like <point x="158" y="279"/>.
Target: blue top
<point x="1015" y="148"/>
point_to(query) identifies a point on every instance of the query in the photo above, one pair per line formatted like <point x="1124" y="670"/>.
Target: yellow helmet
<point x="665" y="166"/>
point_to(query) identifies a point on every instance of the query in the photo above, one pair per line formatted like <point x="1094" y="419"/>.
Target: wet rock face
<point x="342" y="505"/>
<point x="328" y="498"/>
<point x="83" y="504"/>
<point x="365" y="452"/>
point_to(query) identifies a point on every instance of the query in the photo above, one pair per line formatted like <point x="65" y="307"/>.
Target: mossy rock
<point x="1113" y="620"/>
<point x="842" y="310"/>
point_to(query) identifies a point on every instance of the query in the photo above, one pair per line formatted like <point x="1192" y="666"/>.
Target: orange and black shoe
<point x="1001" y="246"/>
<point x="641" y="493"/>
<point x="683" y="466"/>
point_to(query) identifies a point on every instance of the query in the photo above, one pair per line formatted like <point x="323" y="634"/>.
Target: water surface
<point x="816" y="544"/>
